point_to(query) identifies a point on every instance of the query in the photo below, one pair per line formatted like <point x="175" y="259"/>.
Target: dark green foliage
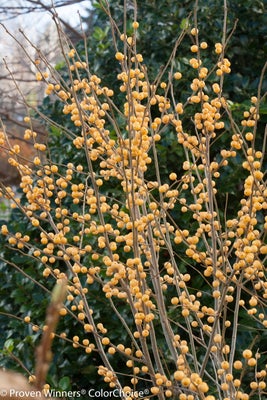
<point x="162" y="22"/>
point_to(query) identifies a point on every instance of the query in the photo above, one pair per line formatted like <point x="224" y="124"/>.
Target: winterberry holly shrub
<point x="166" y="288"/>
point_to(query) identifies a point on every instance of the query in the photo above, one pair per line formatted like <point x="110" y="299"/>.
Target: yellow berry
<point x="173" y="176"/>
<point x="154" y="390"/>
<point x="252" y="362"/>
<point x="119" y="56"/>
<point x="168" y="393"/>
<point x="253" y="301"/>
<point x="186" y="381"/>
<point x="258" y="175"/>
<point x="185" y="312"/>
<point x="139" y="353"/>
<point x="218" y="48"/>
<point x="105" y="340"/>
<point x="71" y="53"/>
<point x="39" y="76"/>
<point x="262" y="385"/>
<point x="81" y="316"/>
<point x="203" y="45"/>
<point x="194" y="48"/>
<point x="225" y="364"/>
<point x="247" y="353"/>
<point x="194" y="31"/>
<point x="203" y="387"/>
<point x="88" y="328"/>
<point x="111" y="350"/>
<point x="179" y="375"/>
<point x="253" y="385"/>
<point x="216" y="88"/>
<point x="135" y="25"/>
<point x="249" y="136"/>
<point x="177" y="75"/>
<point x="35" y="222"/>
<point x="224" y="386"/>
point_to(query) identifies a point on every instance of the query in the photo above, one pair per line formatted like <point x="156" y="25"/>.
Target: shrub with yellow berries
<point x="162" y="275"/>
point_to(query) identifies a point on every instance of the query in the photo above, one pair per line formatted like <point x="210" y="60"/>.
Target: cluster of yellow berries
<point x="128" y="245"/>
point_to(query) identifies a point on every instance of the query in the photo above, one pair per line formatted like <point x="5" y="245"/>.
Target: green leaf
<point x="185" y="24"/>
<point x="64" y="383"/>
<point x="9" y="345"/>
<point x="100" y="34"/>
<point x="59" y="66"/>
<point x="263" y="109"/>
